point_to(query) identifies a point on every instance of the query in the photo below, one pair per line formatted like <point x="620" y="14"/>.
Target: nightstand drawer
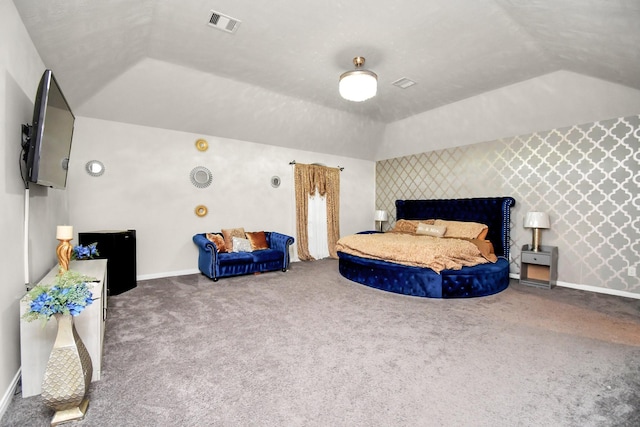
<point x="536" y="258"/>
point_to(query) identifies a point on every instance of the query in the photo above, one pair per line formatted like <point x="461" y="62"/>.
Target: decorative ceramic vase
<point x="68" y="374"/>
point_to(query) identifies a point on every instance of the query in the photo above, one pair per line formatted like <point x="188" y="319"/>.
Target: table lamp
<point x="381" y="216"/>
<point x="536" y="221"/>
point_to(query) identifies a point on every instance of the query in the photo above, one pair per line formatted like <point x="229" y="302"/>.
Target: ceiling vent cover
<point x="223" y="22"/>
<point x="403" y="83"/>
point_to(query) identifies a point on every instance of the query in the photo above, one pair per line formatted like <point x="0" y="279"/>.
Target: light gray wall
<point x="552" y="101"/>
<point x="584" y="176"/>
<point x="20" y="72"/>
<point x="153" y="91"/>
<point x="146" y="187"/>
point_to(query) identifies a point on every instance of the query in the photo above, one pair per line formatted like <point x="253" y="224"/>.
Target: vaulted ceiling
<point x="452" y="49"/>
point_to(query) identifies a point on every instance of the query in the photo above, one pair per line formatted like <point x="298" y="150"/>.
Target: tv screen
<point x="49" y="141"/>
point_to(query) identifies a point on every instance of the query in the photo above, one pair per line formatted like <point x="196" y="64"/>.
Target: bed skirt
<point x="476" y="281"/>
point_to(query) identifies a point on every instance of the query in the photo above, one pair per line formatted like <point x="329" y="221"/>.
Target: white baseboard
<point x="600" y="290"/>
<point x="176" y="273"/>
<point x="8" y="394"/>
<point x="167" y="274"/>
<point x="590" y="288"/>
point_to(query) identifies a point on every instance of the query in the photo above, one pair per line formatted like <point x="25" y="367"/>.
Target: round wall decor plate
<point x="201" y="177"/>
<point x="275" y="181"/>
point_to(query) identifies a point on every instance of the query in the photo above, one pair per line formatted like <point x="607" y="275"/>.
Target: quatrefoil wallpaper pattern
<point x="587" y="177"/>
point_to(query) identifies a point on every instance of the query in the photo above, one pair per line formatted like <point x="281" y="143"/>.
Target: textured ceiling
<point x="453" y="49"/>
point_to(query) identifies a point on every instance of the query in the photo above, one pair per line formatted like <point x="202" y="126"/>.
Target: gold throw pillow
<point x="258" y="240"/>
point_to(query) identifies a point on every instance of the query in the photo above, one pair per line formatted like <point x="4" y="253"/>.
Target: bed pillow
<point x="241" y="245"/>
<point x="486" y="249"/>
<point x="462" y="229"/>
<point x="258" y="240"/>
<point x="229" y="234"/>
<point x="218" y="240"/>
<point x="431" y="230"/>
<point x="409" y="226"/>
<point x="483" y="234"/>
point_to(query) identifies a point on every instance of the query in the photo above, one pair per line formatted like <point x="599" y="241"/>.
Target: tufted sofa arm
<point x="206" y="264"/>
<point x="280" y="242"/>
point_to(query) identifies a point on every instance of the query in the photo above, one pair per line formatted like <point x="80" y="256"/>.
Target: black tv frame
<point x="34" y="137"/>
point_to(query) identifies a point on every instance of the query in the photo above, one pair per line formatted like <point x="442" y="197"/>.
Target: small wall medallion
<point x="201" y="210"/>
<point x="275" y="181"/>
<point x="202" y="145"/>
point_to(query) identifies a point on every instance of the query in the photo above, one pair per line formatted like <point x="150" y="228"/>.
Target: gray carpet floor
<point x="310" y="348"/>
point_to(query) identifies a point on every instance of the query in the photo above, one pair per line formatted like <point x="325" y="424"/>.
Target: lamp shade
<point x="64" y="232"/>
<point x="381" y="215"/>
<point x="536" y="220"/>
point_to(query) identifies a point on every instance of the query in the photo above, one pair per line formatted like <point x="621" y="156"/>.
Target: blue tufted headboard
<point x="492" y="211"/>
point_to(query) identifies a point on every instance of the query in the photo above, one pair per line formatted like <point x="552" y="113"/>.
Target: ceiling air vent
<point x="403" y="83"/>
<point x="223" y="22"/>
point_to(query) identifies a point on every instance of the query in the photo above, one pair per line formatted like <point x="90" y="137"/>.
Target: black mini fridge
<point x="118" y="247"/>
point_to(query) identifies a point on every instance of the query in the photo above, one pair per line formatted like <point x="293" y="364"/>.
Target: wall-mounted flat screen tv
<point x="48" y="140"/>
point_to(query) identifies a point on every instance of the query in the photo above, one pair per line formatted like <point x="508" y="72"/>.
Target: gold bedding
<point x="418" y="251"/>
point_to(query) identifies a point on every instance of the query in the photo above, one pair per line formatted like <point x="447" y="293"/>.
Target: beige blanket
<point x="418" y="251"/>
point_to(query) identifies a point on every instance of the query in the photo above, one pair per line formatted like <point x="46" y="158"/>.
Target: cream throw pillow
<point x="431" y="230"/>
<point x="241" y="245"/>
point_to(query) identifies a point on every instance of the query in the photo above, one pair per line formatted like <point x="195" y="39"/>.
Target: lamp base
<point x="535" y="243"/>
<point x="63" y="251"/>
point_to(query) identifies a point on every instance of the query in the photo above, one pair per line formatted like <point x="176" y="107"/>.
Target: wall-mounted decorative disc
<point x="201" y="210"/>
<point x="202" y="145"/>
<point x="201" y="177"/>
<point x="94" y="167"/>
<point x="275" y="181"/>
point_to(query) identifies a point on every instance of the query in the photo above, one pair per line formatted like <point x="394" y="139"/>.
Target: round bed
<point x="476" y="281"/>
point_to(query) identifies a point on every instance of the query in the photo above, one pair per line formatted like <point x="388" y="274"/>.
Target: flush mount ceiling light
<point x="358" y="85"/>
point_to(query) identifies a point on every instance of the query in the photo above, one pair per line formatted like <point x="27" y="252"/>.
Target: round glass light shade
<point x="358" y="85"/>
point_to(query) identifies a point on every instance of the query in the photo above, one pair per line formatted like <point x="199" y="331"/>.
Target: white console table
<point x="36" y="342"/>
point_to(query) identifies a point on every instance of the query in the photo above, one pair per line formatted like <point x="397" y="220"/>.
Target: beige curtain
<point x="308" y="179"/>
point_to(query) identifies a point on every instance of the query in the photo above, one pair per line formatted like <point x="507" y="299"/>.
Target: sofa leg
<point x="215" y="279"/>
<point x="284" y="270"/>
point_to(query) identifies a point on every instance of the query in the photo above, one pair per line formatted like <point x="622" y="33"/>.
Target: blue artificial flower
<point x="85" y="252"/>
<point x="69" y="294"/>
<point x="74" y="309"/>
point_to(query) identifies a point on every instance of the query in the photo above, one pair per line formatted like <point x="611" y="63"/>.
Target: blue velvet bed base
<point x="480" y="280"/>
<point x="476" y="281"/>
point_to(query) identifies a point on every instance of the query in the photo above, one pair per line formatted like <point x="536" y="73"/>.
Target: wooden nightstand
<point x="539" y="268"/>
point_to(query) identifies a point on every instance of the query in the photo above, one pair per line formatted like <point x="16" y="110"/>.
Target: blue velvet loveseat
<point x="214" y="264"/>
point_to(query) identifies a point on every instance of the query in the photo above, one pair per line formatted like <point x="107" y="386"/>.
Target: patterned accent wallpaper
<point x="587" y="177"/>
